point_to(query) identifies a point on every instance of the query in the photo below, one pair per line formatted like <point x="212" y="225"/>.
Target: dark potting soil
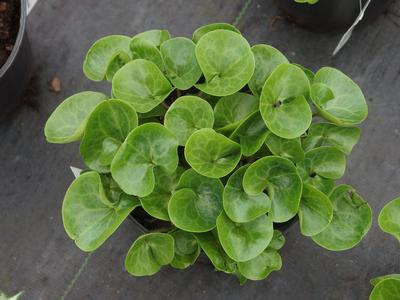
<point x="10" y="11"/>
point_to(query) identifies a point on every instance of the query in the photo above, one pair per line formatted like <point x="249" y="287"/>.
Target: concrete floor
<point x="35" y="254"/>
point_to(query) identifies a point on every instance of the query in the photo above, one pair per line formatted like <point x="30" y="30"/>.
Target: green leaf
<point x="267" y="58"/>
<point x="239" y="206"/>
<point x="67" y="122"/>
<point x="141" y="83"/>
<point x="226" y="61"/>
<point x="310" y="74"/>
<point x="106" y="129"/>
<point x="197" y="202"/>
<point x="261" y="266"/>
<point x="283" y="184"/>
<point x="211" y="154"/>
<point x="188" y="114"/>
<point x="351" y="220"/>
<point x="316" y="211"/>
<point x="283" y="105"/>
<point x="154" y="36"/>
<point x="321" y="134"/>
<point x="89" y="217"/>
<point x="149" y="253"/>
<point x="251" y="134"/>
<point x="287" y="148"/>
<point x="211" y="246"/>
<point x="180" y="62"/>
<point x="147" y="147"/>
<point x="376" y="280"/>
<point x="388" y="289"/>
<point x="231" y="110"/>
<point x="144" y="49"/>
<point x="337" y="98"/>
<point x="156" y="204"/>
<point x="199" y="32"/>
<point x="186" y="248"/>
<point x="244" y="241"/>
<point x="116" y="63"/>
<point x="103" y="53"/>
<point x="3" y="296"/>
<point x="389" y="218"/>
<point x="278" y="240"/>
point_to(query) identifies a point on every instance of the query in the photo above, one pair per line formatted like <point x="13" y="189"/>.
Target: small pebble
<point x="55" y="85"/>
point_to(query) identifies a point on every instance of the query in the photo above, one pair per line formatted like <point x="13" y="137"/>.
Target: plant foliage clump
<point x="220" y="140"/>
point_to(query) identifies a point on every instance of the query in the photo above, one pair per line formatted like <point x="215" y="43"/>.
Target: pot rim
<point x="22" y="22"/>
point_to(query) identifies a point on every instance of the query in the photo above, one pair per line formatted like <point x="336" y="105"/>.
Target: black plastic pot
<point x="15" y="73"/>
<point x="329" y="15"/>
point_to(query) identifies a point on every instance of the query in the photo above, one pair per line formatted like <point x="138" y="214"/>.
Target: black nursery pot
<point x="329" y="15"/>
<point x="15" y="73"/>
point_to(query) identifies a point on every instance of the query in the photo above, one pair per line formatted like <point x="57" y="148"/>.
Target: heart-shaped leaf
<point x="278" y="240"/>
<point x="180" y="62"/>
<point x="196" y="204"/>
<point x="322" y="134"/>
<point x="148" y="146"/>
<point x="389" y="218"/>
<point x="188" y="114"/>
<point x="283" y="105"/>
<point x="337" y="98"/>
<point x="351" y="220"/>
<point x="154" y="36"/>
<point x="267" y="58"/>
<point x="149" y="253"/>
<point x="261" y="266"/>
<point x="156" y="204"/>
<point x="106" y="129"/>
<point x="287" y="148"/>
<point x="279" y="177"/>
<point x="186" y="249"/>
<point x="251" y="134"/>
<point x="141" y="83"/>
<point x="315" y="211"/>
<point x="145" y="49"/>
<point x="102" y="53"/>
<point x="226" y="61"/>
<point x="211" y="154"/>
<point x="89" y="217"/>
<point x="244" y="241"/>
<point x="68" y="121"/>
<point x="239" y="206"/>
<point x="231" y="110"/>
<point x="199" y="32"/>
<point x="376" y="280"/>
<point x="387" y="289"/>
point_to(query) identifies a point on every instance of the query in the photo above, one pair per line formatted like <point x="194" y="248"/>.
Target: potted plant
<point x="218" y="143"/>
<point x="387" y="287"/>
<point x="14" y="54"/>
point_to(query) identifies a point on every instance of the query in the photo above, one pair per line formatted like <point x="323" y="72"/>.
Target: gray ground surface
<point x="35" y="254"/>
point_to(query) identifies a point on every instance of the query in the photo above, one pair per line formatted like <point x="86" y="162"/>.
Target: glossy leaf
<point x="147" y="147"/>
<point x="267" y="58"/>
<point x="322" y="134"/>
<point x="141" y="83"/>
<point x="337" y="98"/>
<point x="226" y="61"/>
<point x="287" y="148"/>
<point x="283" y="184"/>
<point x="389" y="218"/>
<point x="231" y="110"/>
<point x="149" y="253"/>
<point x="351" y="220"/>
<point x="186" y="249"/>
<point x="261" y="266"/>
<point x="180" y="62"/>
<point x="278" y="240"/>
<point x="106" y="129"/>
<point x="102" y="54"/>
<point x="145" y="49"/>
<point x="251" y="134"/>
<point x="244" y="241"/>
<point x="154" y="36"/>
<point x="89" y="217"/>
<point x="316" y="211"/>
<point x="68" y="121"/>
<point x="239" y="206"/>
<point x="283" y="105"/>
<point x="388" y="289"/>
<point x="188" y="114"/>
<point x="212" y="154"/>
<point x="156" y="204"/>
<point x="376" y="280"/>
<point x="196" y="204"/>
<point x="199" y="32"/>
